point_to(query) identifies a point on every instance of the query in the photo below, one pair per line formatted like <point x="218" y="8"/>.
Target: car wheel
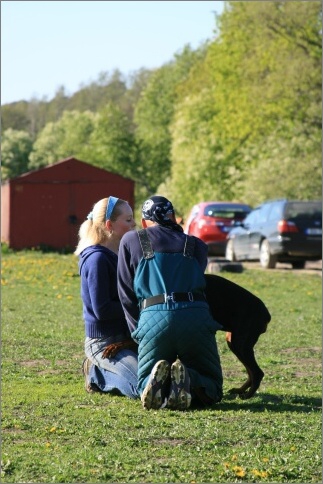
<point x="298" y="264"/>
<point x="229" y="251"/>
<point x="267" y="259"/>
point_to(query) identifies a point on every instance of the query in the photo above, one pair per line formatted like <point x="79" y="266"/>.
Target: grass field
<point x="53" y="431"/>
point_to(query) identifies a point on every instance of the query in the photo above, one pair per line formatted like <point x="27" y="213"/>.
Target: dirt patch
<point x="298" y="350"/>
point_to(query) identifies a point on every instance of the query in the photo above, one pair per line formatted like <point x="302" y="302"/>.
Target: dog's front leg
<point x="242" y="345"/>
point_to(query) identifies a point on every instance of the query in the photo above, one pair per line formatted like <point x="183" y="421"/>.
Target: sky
<point x="49" y="44"/>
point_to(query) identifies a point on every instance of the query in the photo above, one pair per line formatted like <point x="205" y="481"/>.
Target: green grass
<point x="53" y="431"/>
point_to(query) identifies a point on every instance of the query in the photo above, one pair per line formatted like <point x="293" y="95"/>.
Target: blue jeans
<point x="114" y="375"/>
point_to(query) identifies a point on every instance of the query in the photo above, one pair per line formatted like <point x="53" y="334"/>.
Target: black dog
<point x="244" y="317"/>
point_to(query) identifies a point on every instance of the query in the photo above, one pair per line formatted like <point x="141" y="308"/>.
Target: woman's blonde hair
<point x="93" y="230"/>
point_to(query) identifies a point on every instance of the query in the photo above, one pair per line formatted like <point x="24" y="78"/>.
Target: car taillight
<point x="203" y="222"/>
<point x="284" y="226"/>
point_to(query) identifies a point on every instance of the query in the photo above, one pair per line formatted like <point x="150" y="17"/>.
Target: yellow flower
<point x="53" y="429"/>
<point x="240" y="472"/>
<point x="255" y="472"/>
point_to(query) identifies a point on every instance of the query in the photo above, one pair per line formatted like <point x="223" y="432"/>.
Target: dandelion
<point x="48" y="444"/>
<point x="293" y="448"/>
<point x="239" y="471"/>
<point x="234" y="457"/>
<point x="265" y="459"/>
<point x="256" y="473"/>
<point x="53" y="429"/>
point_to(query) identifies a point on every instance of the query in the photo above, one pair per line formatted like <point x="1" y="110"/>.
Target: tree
<point x="57" y="105"/>
<point x="69" y="136"/>
<point x="288" y="166"/>
<point x="154" y="114"/>
<point x="15" y="149"/>
<point x="261" y="73"/>
<point x="114" y="148"/>
<point x="15" y="116"/>
<point x="193" y="150"/>
<point x="136" y="83"/>
<point x="92" y="97"/>
<point x="112" y="143"/>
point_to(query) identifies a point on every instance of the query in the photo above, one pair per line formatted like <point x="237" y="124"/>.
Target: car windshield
<point x="301" y="211"/>
<point x="222" y="211"/>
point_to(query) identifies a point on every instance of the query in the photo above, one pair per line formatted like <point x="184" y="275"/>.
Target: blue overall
<point x="170" y="329"/>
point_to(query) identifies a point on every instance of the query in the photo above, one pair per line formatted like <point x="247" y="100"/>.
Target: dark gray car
<point x="278" y="231"/>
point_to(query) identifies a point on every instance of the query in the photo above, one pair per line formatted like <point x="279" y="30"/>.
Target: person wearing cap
<point x="161" y="288"/>
<point x="111" y="355"/>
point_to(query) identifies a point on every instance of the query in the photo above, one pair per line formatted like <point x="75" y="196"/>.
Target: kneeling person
<point x="161" y="288"/>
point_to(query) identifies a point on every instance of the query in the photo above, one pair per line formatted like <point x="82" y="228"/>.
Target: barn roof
<point x="70" y="169"/>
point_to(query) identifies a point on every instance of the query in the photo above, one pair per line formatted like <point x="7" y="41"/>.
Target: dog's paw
<point x="249" y="394"/>
<point x="236" y="391"/>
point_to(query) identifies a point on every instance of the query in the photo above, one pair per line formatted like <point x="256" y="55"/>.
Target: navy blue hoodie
<point x="102" y="311"/>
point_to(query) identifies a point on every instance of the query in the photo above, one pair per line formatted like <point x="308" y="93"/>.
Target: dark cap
<point x="157" y="209"/>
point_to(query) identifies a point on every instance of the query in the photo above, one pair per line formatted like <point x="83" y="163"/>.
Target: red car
<point x="211" y="222"/>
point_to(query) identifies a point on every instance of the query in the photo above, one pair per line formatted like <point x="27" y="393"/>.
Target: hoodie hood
<point x="90" y="250"/>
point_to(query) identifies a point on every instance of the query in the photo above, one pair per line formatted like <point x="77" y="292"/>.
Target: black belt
<point x="174" y="297"/>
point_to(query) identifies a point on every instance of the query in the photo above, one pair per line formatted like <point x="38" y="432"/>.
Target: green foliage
<point x="270" y="58"/>
<point x="109" y="88"/>
<point x="112" y="144"/>
<point x="286" y="165"/>
<point x="53" y="431"/>
<point x="154" y="114"/>
<point x="15" y="149"/>
<point x="5" y="249"/>
<point x="15" y="116"/>
<point x="194" y="148"/>
<point x="69" y="136"/>
<point x="253" y="131"/>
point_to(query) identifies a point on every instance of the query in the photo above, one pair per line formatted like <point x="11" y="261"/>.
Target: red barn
<point x="45" y="207"/>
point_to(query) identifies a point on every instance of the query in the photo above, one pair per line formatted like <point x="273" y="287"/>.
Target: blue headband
<point x="111" y="204"/>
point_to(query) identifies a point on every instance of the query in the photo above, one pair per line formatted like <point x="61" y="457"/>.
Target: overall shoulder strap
<point x="145" y="244"/>
<point x="189" y="246"/>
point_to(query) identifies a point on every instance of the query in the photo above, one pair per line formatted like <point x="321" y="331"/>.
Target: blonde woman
<point x="111" y="356"/>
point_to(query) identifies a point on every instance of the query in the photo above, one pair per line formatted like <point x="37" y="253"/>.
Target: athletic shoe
<point x="180" y="396"/>
<point x="157" y="388"/>
<point x="89" y="387"/>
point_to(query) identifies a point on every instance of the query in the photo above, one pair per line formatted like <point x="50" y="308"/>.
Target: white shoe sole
<point x="154" y="394"/>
